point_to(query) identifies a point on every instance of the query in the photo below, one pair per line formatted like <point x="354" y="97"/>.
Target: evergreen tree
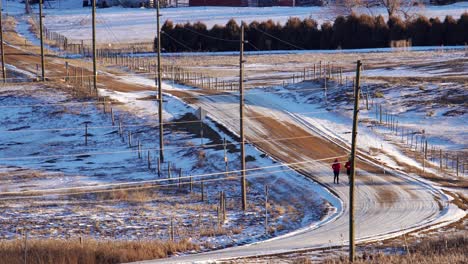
<point x="380" y="35"/>
<point x="419" y="31"/>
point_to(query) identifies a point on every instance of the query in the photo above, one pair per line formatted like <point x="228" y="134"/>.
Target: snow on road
<point x="389" y="203"/>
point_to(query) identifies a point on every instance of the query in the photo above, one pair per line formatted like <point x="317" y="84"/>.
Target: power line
<point x="212" y="37"/>
<point x="284" y="41"/>
<point x="230" y="94"/>
<point x="178" y="42"/>
<point x="166" y="179"/>
<point x="253" y="46"/>
<point x="142" y="150"/>
<point x="149" y="124"/>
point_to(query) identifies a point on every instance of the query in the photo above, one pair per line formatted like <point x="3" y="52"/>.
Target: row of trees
<point x="350" y="32"/>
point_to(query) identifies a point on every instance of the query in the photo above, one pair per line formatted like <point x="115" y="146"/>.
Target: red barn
<point x="218" y="2"/>
<point x="286" y="2"/>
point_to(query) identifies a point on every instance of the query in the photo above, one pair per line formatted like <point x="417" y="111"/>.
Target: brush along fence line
<point x="113" y="56"/>
<point x="84" y="47"/>
<point x="178" y="74"/>
<point x="417" y="141"/>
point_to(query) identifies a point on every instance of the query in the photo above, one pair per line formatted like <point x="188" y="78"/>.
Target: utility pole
<point x="1" y="45"/>
<point x="41" y="32"/>
<point x="353" y="163"/>
<point x="27" y="7"/>
<point x="94" y="47"/>
<point x="160" y="96"/>
<point x="241" y="107"/>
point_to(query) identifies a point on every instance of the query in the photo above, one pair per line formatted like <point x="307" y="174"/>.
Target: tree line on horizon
<point x="347" y="32"/>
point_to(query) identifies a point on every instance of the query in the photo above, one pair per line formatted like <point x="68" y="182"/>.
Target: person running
<point x="348" y="167"/>
<point x="336" y="171"/>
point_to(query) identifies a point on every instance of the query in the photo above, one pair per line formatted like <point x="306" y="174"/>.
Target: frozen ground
<point x="390" y="201"/>
<point x="389" y="204"/>
<point x="118" y="24"/>
<point x="43" y="149"/>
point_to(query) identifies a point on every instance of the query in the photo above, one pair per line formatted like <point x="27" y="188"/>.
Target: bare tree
<point x="396" y="7"/>
<point x="393" y="7"/>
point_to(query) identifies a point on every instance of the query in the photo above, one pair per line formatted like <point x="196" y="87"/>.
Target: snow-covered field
<point x="118" y="24"/>
<point x="43" y="149"/>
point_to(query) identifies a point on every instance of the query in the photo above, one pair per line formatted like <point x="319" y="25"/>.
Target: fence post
<point x="139" y="149"/>
<point x="172" y="230"/>
<point x="112" y="116"/>
<point x="129" y="139"/>
<point x="25" y="247"/>
<point x="149" y="160"/>
<point x="159" y="167"/>
<point x="191" y="183"/>
<point x="440" y="159"/>
<point x="86" y="133"/>
<point x="202" y="191"/>
<point x="66" y="71"/>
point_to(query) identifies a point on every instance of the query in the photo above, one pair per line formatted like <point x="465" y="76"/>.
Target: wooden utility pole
<point x="241" y="107"/>
<point x="1" y="45"/>
<point x="27" y="7"/>
<point x="94" y="47"/>
<point x="160" y="98"/>
<point x="353" y="163"/>
<point x="41" y="32"/>
<point x="266" y="209"/>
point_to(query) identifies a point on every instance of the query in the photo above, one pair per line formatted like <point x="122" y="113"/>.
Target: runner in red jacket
<point x="336" y="171"/>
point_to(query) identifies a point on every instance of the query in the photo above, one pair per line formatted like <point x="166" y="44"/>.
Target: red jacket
<point x="336" y="167"/>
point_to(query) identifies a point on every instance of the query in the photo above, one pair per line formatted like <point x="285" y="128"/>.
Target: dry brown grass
<point x="439" y="250"/>
<point x="214" y="231"/>
<point x="89" y="252"/>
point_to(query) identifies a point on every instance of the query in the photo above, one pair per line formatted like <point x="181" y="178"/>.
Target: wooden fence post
<point x="159" y="167"/>
<point x="440" y="159"/>
<point x="139" y="149"/>
<point x="202" y="191"/>
<point x="191" y="183"/>
<point x="86" y="134"/>
<point x="129" y="139"/>
<point x="149" y="160"/>
<point x="112" y="116"/>
<point x="25" y="247"/>
<point x="172" y="230"/>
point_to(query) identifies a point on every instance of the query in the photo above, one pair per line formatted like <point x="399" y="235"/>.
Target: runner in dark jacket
<point x="348" y="167"/>
<point x="336" y="171"/>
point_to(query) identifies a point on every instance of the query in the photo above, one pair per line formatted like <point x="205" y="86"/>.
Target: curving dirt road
<point x="386" y="204"/>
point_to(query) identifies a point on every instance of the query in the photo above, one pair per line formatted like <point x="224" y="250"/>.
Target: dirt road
<point x="387" y="204"/>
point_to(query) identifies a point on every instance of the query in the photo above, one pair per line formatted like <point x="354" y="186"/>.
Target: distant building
<point x="219" y="2"/>
<point x="125" y="3"/>
<point x="175" y="3"/>
<point x="259" y="3"/>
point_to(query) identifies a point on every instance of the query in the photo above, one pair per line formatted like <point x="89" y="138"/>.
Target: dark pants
<point x="336" y="178"/>
<point x="348" y="171"/>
